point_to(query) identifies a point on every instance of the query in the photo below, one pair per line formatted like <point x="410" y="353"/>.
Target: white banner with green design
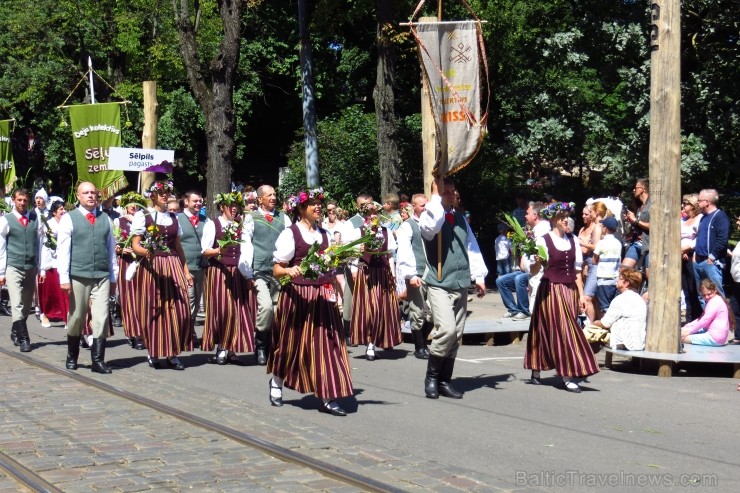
<point x="95" y="129"/>
<point x="6" y="156"/>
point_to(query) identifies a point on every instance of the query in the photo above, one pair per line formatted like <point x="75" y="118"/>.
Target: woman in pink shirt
<point x="713" y="327"/>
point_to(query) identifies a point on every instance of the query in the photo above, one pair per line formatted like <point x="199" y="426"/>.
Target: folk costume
<point x="53" y="302"/>
<point x="556" y="339"/>
<point x="230" y="300"/>
<point x="309" y="350"/>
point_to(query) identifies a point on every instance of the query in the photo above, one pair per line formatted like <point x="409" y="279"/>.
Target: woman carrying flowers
<point x="309" y="352"/>
<point x="556" y="340"/>
<point x="230" y="299"/>
<point x="376" y="320"/>
<point x="53" y="303"/>
<point x="131" y="203"/>
<point x="162" y="279"/>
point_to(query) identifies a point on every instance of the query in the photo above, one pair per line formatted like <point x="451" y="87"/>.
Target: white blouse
<point x="563" y="244"/>
<point x="138" y="225"/>
<point x="48" y="259"/>
<point x="285" y="244"/>
<point x="246" y="251"/>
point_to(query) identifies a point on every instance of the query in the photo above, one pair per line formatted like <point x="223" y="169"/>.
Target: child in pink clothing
<point x="713" y="327"/>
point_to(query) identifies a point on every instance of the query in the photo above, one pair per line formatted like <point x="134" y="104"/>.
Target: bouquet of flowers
<point x="375" y="233"/>
<point x="50" y="236"/>
<point x="523" y="240"/>
<point x="318" y="262"/>
<point x="122" y="237"/>
<point x="231" y="235"/>
<point x="152" y="239"/>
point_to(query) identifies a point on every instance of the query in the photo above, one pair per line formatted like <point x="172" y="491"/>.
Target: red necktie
<point x="194" y="221"/>
<point x="450" y="218"/>
<point x="91" y="218"/>
<point x="23" y="220"/>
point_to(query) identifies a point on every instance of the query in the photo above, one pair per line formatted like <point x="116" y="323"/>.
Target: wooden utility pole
<point x="149" y="136"/>
<point x="665" y="180"/>
<point x="309" y="108"/>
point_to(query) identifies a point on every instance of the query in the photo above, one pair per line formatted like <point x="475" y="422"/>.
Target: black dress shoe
<point x="175" y="364"/>
<point x="25" y="346"/>
<point x="70" y="364"/>
<point x="139" y="344"/>
<point x="332" y="408"/>
<point x="421" y="353"/>
<point x="275" y="401"/>
<point x="370" y="356"/>
<point x="222" y="357"/>
<point x="535" y="380"/>
<point x="572" y="388"/>
<point x="153" y="363"/>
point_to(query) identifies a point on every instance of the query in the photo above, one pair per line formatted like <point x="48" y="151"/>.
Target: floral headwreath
<point x="369" y="207"/>
<point x="161" y="187"/>
<point x="407" y="208"/>
<point x="250" y="196"/>
<point x="229" y="199"/>
<point x="553" y="210"/>
<point x="303" y="197"/>
<point x="129" y="198"/>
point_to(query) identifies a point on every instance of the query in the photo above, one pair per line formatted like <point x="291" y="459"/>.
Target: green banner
<point x="95" y="129"/>
<point x="6" y="156"/>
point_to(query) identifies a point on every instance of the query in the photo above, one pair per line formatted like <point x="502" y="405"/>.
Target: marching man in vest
<point x="192" y="224"/>
<point x="20" y="236"/>
<point x="88" y="270"/>
<point x="411" y="265"/>
<point x="266" y="225"/>
<point x="447" y="294"/>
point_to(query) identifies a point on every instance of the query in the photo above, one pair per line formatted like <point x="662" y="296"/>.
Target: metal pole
<point x="90" y="76"/>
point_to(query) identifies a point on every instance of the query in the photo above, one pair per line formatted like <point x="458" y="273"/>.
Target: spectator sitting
<point x="502" y="245"/>
<point x="607" y="258"/>
<point x="627" y="314"/>
<point x="713" y="327"/>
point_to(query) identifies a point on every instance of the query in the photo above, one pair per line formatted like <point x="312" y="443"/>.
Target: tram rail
<point x="36" y="483"/>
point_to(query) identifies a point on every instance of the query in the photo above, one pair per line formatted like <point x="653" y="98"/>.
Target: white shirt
<point x="246" y="251"/>
<point x="430" y="223"/>
<point x="248" y="227"/>
<point x="405" y="258"/>
<point x="64" y="247"/>
<point x="627" y="319"/>
<point x="48" y="256"/>
<point x="563" y="244"/>
<point x="4" y="229"/>
<point x="539" y="230"/>
<point x="285" y="244"/>
<point x="138" y="225"/>
<point x="502" y="245"/>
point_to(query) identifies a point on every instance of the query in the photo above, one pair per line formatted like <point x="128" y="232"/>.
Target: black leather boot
<point x="23" y="339"/>
<point x="115" y="312"/>
<point x="431" y="382"/>
<point x="97" y="352"/>
<point x="345" y="324"/>
<point x="14" y="334"/>
<point x="262" y="346"/>
<point x="73" y="352"/>
<point x="420" y="349"/>
<point x="445" y="376"/>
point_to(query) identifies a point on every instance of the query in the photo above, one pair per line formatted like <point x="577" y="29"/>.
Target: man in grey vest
<point x="447" y="291"/>
<point x="266" y="225"/>
<point x="353" y="222"/>
<point x="411" y="262"/>
<point x="87" y="273"/>
<point x="20" y="237"/>
<point x="192" y="223"/>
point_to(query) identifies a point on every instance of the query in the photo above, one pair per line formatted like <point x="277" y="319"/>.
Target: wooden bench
<point x="691" y="353"/>
<point x="489" y="327"/>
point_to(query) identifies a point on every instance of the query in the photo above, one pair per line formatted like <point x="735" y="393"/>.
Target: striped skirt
<point x="230" y="310"/>
<point x="162" y="306"/>
<point x="53" y="302"/>
<point x="309" y="350"/>
<point x="375" y="314"/>
<point x="127" y="297"/>
<point x="555" y="338"/>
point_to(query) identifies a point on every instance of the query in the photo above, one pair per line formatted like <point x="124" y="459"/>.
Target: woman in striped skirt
<point x="556" y="340"/>
<point x="131" y="202"/>
<point x="309" y="350"/>
<point x="161" y="281"/>
<point x="376" y="320"/>
<point x="231" y="304"/>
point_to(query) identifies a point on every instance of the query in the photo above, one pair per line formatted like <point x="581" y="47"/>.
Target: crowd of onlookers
<point x="614" y="241"/>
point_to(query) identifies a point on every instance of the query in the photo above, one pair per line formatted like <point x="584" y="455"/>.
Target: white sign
<point x="151" y="160"/>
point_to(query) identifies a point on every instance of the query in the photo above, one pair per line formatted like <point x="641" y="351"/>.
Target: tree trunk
<point x="217" y="101"/>
<point x="385" y="113"/>
<point x="309" y="108"/>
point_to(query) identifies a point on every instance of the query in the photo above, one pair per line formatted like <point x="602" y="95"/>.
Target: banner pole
<point x="90" y="75"/>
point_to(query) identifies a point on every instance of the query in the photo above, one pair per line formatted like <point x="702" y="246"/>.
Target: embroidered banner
<point x="450" y="56"/>
<point x="6" y="156"/>
<point x="96" y="128"/>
